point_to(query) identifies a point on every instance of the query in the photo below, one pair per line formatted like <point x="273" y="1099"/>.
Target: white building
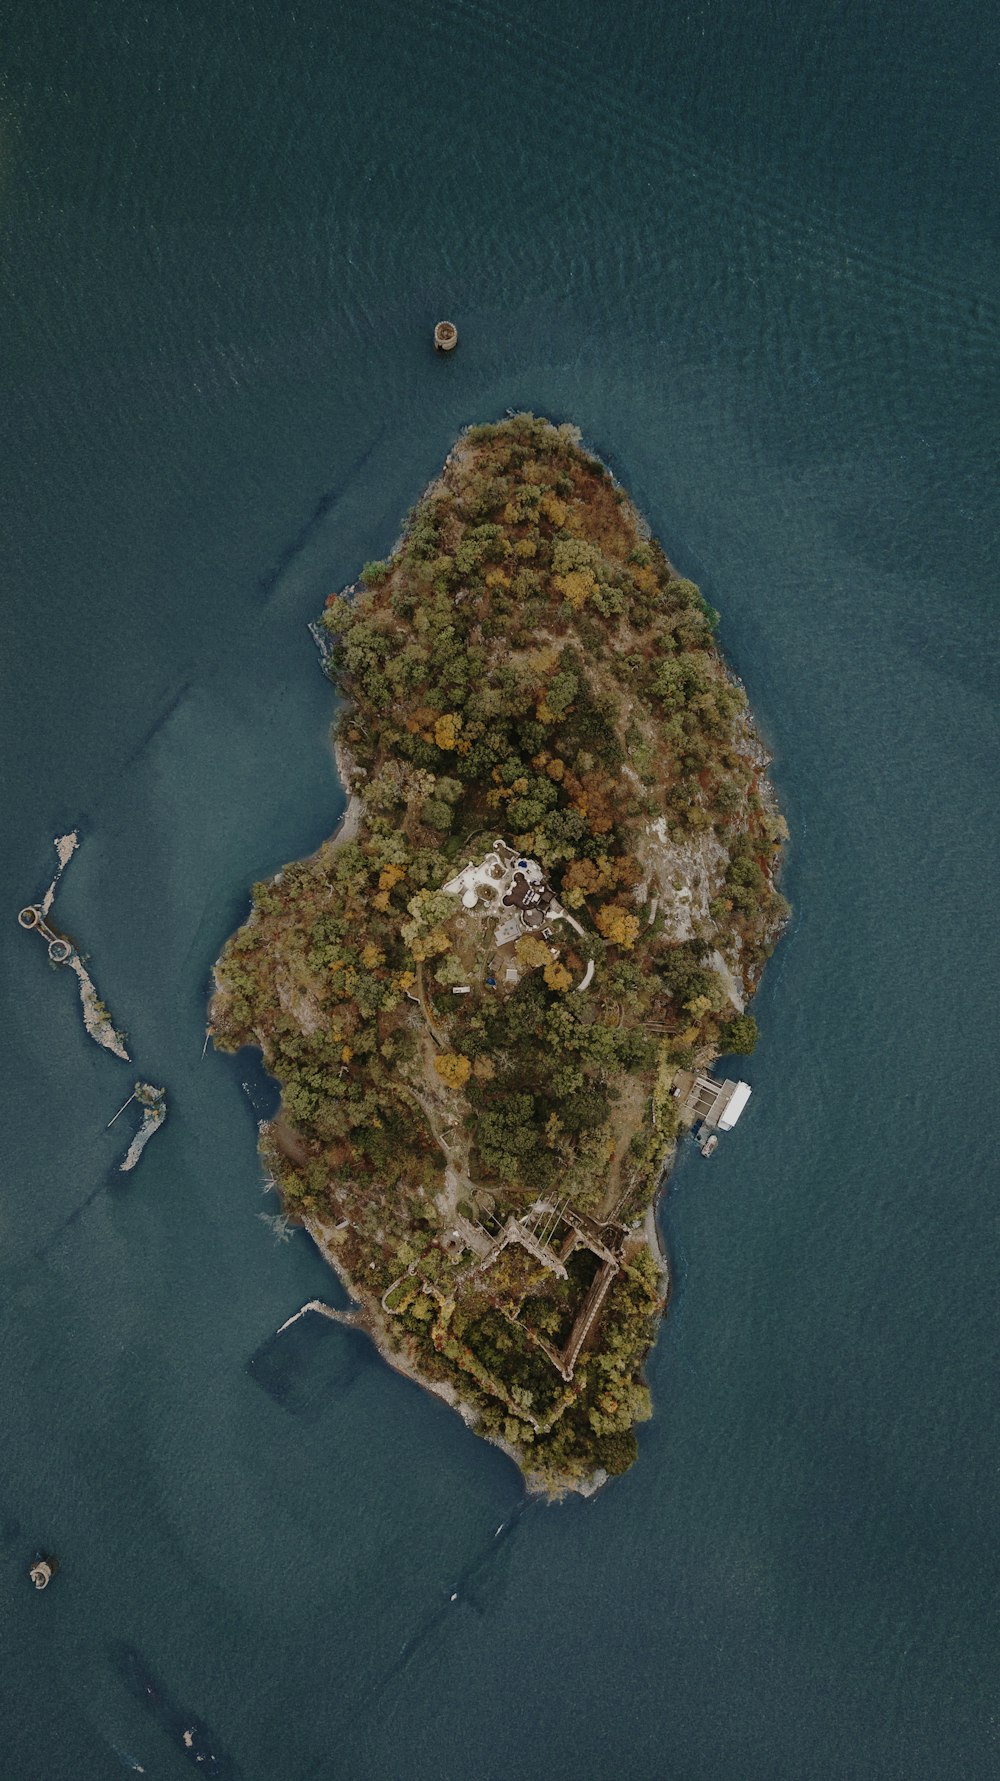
<point x="717" y="1105"/>
<point x="513" y="891"/>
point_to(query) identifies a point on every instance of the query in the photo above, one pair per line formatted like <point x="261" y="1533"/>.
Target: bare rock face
<point x="687" y="872"/>
<point x="552" y="895"/>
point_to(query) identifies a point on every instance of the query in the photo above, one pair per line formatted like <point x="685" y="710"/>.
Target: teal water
<point x="752" y="252"/>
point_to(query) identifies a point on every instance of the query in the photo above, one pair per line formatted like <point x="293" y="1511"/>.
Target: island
<point x="494" y="997"/>
<point x="153" y="1102"/>
<point x="61" y="950"/>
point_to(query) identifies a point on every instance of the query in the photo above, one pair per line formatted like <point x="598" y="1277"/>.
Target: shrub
<point x="616" y="1452"/>
<point x="739" y="1035"/>
<point x="373" y="574"/>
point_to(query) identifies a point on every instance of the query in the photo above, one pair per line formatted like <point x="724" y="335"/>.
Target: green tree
<point x="739" y="1035"/>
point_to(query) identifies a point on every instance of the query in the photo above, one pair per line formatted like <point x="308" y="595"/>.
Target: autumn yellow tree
<point x="576" y="586"/>
<point x="583" y="878"/>
<point x="617" y="925"/>
<point x="556" y="975"/>
<point x="531" y="951"/>
<point x="453" y="1068"/>
<point x="427" y="946"/>
<point x="446" y="730"/>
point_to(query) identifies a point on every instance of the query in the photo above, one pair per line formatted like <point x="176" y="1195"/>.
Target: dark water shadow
<point x="159" y="722"/>
<point x="72" y="1218"/>
<point x="323" y="508"/>
<point x="478" y="1586"/>
<point x="10" y="1532"/>
<point x="310" y="1367"/>
<point x="190" y="1734"/>
<point x="114" y="1183"/>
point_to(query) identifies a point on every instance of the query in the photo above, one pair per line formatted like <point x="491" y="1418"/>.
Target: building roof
<point x="717" y="1104"/>
<point x="727" y="1111"/>
<point x="520" y="893"/>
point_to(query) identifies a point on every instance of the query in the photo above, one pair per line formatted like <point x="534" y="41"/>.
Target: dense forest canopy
<point x="526" y="673"/>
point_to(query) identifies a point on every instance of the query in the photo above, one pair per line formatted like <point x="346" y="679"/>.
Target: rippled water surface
<point x="751" y="251"/>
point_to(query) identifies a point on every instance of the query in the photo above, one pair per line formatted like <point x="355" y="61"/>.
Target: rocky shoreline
<point x="365" y="1316"/>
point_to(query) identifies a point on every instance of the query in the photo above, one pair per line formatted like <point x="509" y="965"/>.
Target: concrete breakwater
<point x="350" y="1318"/>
